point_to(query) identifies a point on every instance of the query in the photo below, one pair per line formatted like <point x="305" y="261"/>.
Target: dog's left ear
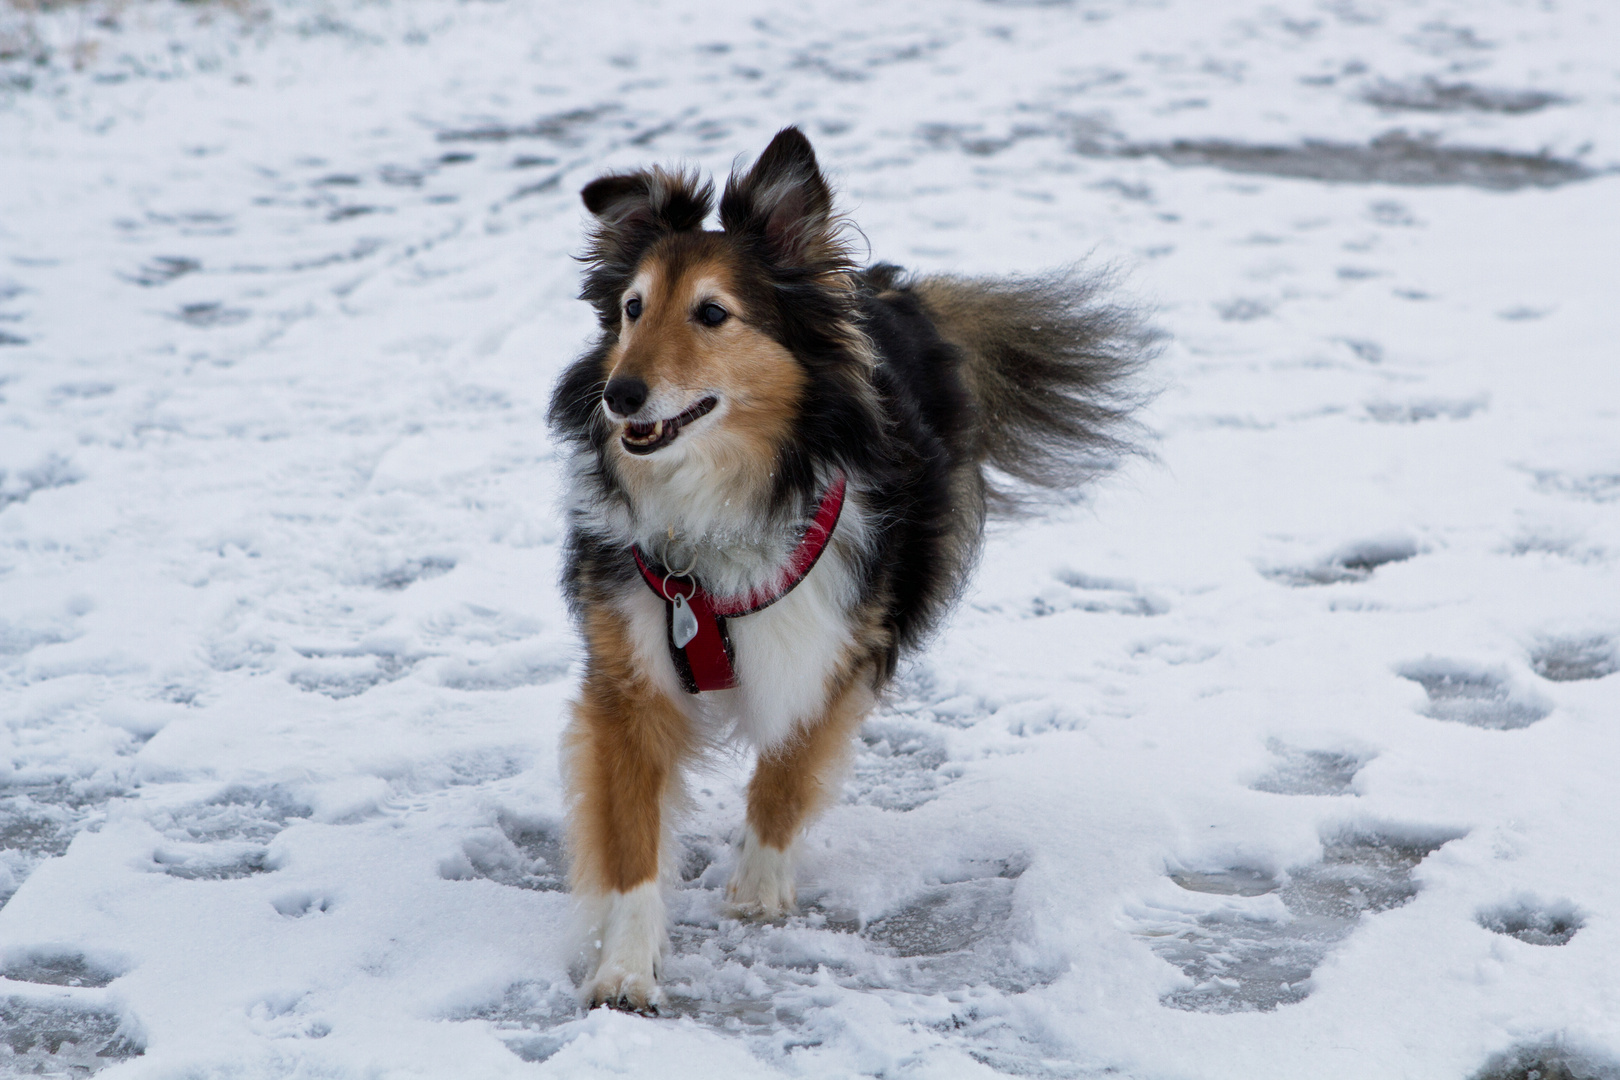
<point x="784" y="204"/>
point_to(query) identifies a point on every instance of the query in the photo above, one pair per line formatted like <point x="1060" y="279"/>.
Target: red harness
<point x="707" y="661"/>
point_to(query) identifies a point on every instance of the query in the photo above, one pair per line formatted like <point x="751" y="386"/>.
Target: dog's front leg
<point x="791" y="784"/>
<point x="624" y="748"/>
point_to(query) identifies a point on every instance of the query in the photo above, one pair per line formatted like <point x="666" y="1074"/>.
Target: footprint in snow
<point x="16" y="486"/>
<point x="530" y="1017"/>
<point x="959" y="933"/>
<point x="224" y="838"/>
<point x="506" y="672"/>
<point x="1075" y="591"/>
<point x="1588" y="487"/>
<point x="899" y="766"/>
<point x="1572" y="659"/>
<point x="1548" y="1060"/>
<point x="1417" y="410"/>
<point x="343" y="673"/>
<point x="210" y="315"/>
<point x="238" y="812"/>
<point x="56" y="1037"/>
<point x="297" y="905"/>
<point x="226" y="861"/>
<point x="521" y="853"/>
<point x="950" y="936"/>
<point x="1260" y="934"/>
<point x="768" y="981"/>
<point x="1350" y="563"/>
<point x="162" y="270"/>
<point x="38" y="822"/>
<point x="1534" y="922"/>
<point x="52" y="968"/>
<point x="1478" y="696"/>
<point x="1311" y="772"/>
<point x="409" y="572"/>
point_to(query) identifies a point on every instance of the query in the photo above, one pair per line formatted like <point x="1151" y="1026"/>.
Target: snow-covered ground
<point x="1288" y="754"/>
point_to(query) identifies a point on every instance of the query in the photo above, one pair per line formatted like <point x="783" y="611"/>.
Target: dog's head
<point x="711" y="339"/>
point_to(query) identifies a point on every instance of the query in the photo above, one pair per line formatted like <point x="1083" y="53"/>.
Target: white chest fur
<point x="786" y="655"/>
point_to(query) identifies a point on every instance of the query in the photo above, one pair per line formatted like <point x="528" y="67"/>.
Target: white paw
<point x="762" y="884"/>
<point x="629" y="938"/>
<point x="628" y="991"/>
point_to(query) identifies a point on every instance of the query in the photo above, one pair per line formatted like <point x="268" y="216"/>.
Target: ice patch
<point x="1235" y="881"/>
<point x="948" y="919"/>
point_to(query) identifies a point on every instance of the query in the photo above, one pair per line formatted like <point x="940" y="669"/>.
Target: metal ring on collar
<point x="668" y="573"/>
<point x="664" y="588"/>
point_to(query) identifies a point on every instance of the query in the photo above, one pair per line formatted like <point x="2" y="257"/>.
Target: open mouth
<point x="644" y="438"/>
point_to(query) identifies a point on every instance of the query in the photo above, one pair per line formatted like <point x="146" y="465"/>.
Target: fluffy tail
<point x="1052" y="365"/>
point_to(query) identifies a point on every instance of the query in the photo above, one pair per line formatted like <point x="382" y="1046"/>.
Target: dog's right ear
<point x="611" y="195"/>
<point x="632" y="211"/>
<point x="674" y="201"/>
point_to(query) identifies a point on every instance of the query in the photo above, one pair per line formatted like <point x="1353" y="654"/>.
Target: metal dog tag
<point x="683" y="626"/>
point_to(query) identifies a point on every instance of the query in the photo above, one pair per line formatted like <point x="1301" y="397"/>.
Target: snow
<point x="1286" y="752"/>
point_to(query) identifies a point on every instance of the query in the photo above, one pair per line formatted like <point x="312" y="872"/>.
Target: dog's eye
<point x="712" y="314"/>
<point x="632" y="307"/>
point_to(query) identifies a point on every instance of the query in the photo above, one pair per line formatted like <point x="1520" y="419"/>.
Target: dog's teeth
<point x="658" y="429"/>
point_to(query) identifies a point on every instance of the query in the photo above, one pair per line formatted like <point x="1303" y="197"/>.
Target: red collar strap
<point x="707" y="661"/>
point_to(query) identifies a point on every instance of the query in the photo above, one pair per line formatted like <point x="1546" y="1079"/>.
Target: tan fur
<point x="624" y="746"/>
<point x="794" y="782"/>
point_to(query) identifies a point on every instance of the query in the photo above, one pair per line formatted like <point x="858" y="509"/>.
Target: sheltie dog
<point x="780" y="466"/>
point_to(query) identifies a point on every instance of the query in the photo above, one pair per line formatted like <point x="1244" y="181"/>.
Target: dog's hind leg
<point x="624" y="748"/>
<point x="791" y="784"/>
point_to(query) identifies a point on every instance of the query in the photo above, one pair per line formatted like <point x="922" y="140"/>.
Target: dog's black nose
<point x="624" y="396"/>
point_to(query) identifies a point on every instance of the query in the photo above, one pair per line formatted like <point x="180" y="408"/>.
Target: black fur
<point x="1033" y="388"/>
